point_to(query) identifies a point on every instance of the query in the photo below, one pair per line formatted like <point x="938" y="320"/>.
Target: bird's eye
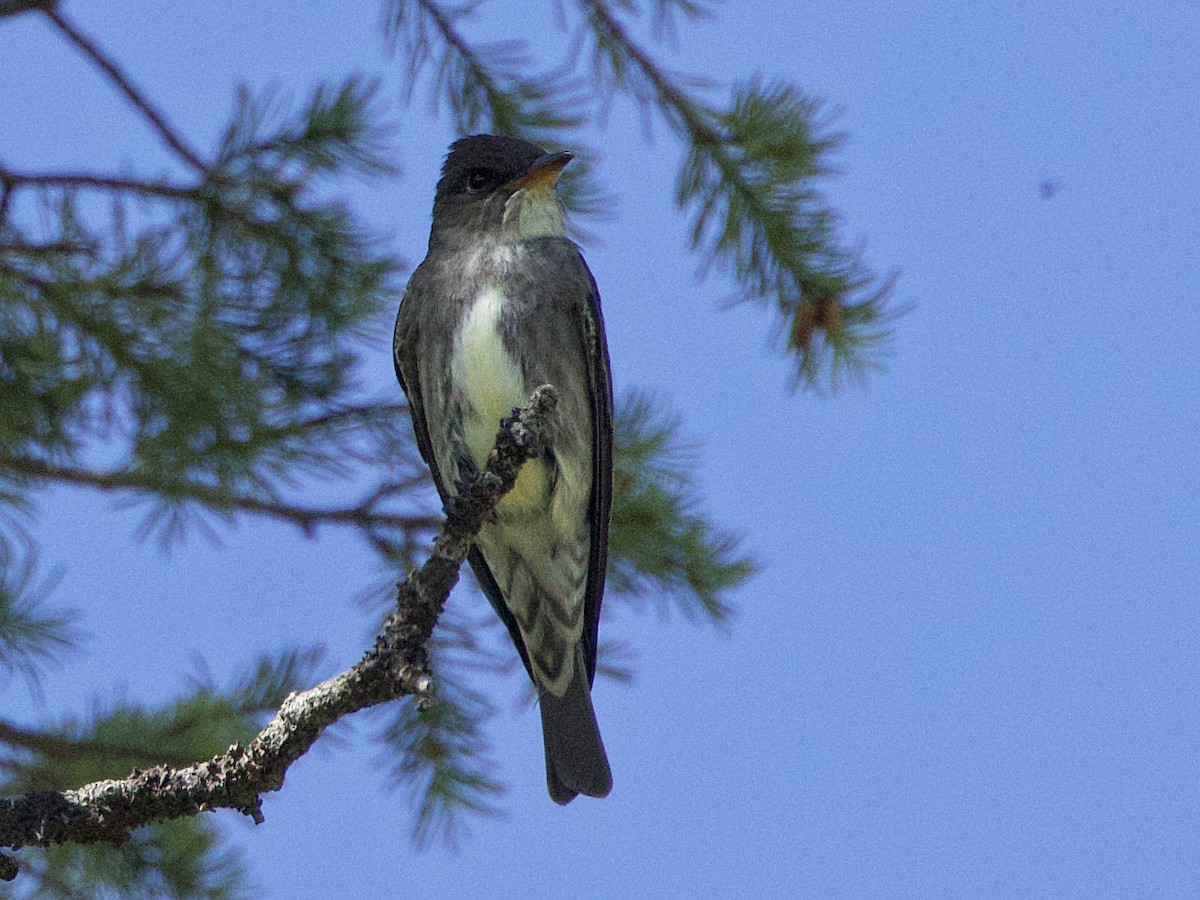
<point x="478" y="180"/>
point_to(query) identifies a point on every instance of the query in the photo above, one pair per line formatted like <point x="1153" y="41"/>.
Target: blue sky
<point x="969" y="665"/>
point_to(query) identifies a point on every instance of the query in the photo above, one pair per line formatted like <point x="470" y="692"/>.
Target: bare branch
<point x="16" y="7"/>
<point x="121" y="80"/>
<point x="53" y="248"/>
<point x="6" y="194"/>
<point x="105" y="811"/>
<point x="13" y="180"/>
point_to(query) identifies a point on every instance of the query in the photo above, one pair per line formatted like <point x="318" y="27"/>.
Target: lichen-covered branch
<point x="397" y="665"/>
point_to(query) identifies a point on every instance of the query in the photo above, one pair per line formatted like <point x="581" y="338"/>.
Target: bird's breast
<point x="489" y="381"/>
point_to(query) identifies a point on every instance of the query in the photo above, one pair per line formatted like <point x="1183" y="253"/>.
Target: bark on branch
<point x="106" y="811"/>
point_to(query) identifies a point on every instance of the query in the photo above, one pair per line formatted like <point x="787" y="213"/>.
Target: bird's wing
<point x="574" y="285"/>
<point x="600" y="511"/>
<point x="405" y="341"/>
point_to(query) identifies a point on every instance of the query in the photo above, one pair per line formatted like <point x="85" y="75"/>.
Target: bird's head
<point x="498" y="187"/>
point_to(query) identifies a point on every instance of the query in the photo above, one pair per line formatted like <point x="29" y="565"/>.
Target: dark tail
<point x="575" y="759"/>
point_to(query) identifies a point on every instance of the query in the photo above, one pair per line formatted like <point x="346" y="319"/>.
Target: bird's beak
<point x="543" y="172"/>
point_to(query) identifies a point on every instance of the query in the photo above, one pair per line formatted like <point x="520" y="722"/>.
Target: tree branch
<point x="51" y="249"/>
<point x="455" y="40"/>
<point x="669" y="96"/>
<point x="7" y="187"/>
<point x="105" y="811"/>
<point x="15" y="7"/>
<point x="56" y="747"/>
<point x="778" y="235"/>
<point x="10" y="181"/>
<point x="13" y="180"/>
<point x="305" y="517"/>
<point x="122" y="82"/>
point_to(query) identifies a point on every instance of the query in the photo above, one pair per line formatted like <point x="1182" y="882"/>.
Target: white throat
<point x="534" y="212"/>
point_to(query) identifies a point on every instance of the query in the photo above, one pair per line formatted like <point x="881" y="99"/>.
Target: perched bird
<point x="503" y="303"/>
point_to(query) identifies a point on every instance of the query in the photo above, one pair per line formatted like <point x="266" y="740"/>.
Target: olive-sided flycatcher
<point x="503" y="303"/>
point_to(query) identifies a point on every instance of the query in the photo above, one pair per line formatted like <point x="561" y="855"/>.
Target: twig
<point x="66" y="748"/>
<point x="454" y="38"/>
<point x="305" y="517"/>
<point x="121" y="80"/>
<point x="7" y="186"/>
<point x="13" y="180"/>
<point x="16" y="7"/>
<point x="106" y="811"/>
<point x="242" y="212"/>
<point x="669" y="94"/>
<point x="54" y="248"/>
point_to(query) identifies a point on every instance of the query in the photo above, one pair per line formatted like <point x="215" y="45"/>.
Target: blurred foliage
<point x="201" y="332"/>
<point x="185" y="859"/>
<point x="664" y="549"/>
